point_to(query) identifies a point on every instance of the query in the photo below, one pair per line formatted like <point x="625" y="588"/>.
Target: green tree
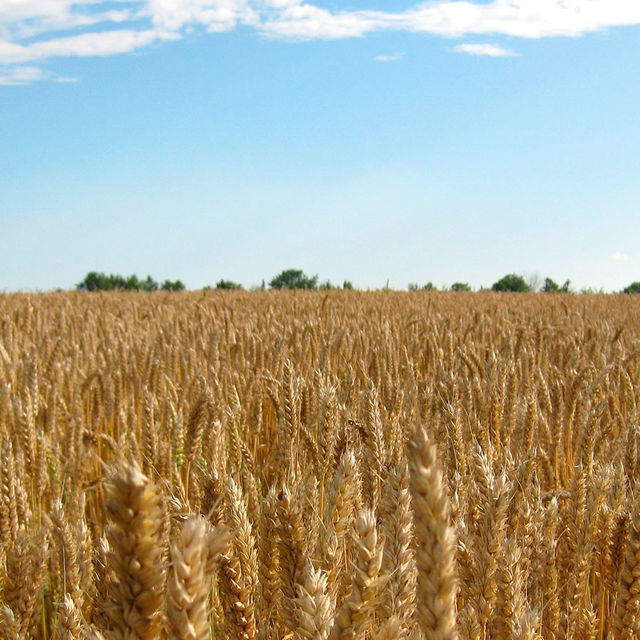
<point x="347" y="284"/>
<point x="98" y="281"/>
<point x="460" y="286"/>
<point x="414" y="286"/>
<point x="93" y="281"/>
<point x="149" y="284"/>
<point x="293" y="279"/>
<point x="132" y="283"/>
<point x="634" y="287"/>
<point x="511" y="282"/>
<point x="228" y="285"/>
<point x="175" y="285"/>
<point x="553" y="287"/>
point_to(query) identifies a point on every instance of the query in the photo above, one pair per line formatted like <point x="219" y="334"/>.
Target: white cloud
<point x="492" y="50"/>
<point x="28" y="18"/>
<point x="21" y="75"/>
<point x="102" y="43"/>
<point x="523" y="18"/>
<point x="621" y="257"/>
<point x="308" y="22"/>
<point x="39" y="29"/>
<point x="389" y="58"/>
<point x="217" y="15"/>
<point x="457" y="18"/>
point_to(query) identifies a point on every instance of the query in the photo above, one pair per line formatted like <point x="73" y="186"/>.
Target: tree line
<point x="510" y="282"/>
<point x="95" y="281"/>
<point x="297" y="279"/>
<point x="287" y="279"/>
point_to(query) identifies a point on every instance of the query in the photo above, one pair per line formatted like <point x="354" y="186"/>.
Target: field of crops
<point x="319" y="466"/>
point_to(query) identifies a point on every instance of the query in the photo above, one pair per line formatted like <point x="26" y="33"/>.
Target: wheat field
<point x="319" y="466"/>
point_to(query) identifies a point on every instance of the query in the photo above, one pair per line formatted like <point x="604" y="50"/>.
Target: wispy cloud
<point x="102" y="43"/>
<point x="394" y="57"/>
<point x="621" y="257"/>
<point x="491" y="50"/>
<point x="21" y="75"/>
<point x="39" y="29"/>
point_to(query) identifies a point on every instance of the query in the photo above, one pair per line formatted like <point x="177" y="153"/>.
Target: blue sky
<point x="369" y="140"/>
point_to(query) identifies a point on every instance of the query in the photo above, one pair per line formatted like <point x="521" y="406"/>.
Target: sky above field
<point x="393" y="141"/>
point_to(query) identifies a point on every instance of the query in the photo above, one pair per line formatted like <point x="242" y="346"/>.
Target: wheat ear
<point x="136" y="555"/>
<point x="315" y="613"/>
<point x="436" y="544"/>
<point x="353" y="620"/>
<point x="398" y="565"/>
<point x="70" y="623"/>
<point x="627" y="613"/>
<point x="189" y="586"/>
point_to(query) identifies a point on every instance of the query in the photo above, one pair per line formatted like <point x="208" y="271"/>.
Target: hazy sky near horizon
<point x="373" y="141"/>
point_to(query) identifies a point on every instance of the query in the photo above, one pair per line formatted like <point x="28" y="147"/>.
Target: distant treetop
<point x="634" y="287"/>
<point x="552" y="287"/>
<point x="95" y="281"/>
<point x="460" y="286"/>
<point x="175" y="285"/>
<point x="511" y="282"/>
<point x="414" y="286"/>
<point x="297" y="279"/>
<point x="228" y="284"/>
<point x="293" y="279"/>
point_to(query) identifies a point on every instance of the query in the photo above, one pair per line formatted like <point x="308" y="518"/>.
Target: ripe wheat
<point x="301" y="465"/>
